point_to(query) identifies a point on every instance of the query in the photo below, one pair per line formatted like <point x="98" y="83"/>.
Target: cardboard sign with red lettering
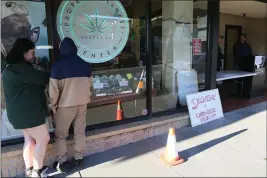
<point x="204" y="107"/>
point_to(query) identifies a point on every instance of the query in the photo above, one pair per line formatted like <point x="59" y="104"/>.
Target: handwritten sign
<point x="204" y="107"/>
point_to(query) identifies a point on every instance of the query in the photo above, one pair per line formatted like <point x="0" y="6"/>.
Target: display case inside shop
<point x="116" y="82"/>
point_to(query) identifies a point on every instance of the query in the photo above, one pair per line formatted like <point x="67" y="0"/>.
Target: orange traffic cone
<point x="119" y="111"/>
<point x="171" y="155"/>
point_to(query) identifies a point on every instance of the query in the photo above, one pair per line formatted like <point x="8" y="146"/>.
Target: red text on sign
<point x="198" y="101"/>
<point x="204" y="116"/>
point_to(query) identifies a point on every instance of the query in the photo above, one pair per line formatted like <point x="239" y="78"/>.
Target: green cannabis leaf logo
<point x="94" y="27"/>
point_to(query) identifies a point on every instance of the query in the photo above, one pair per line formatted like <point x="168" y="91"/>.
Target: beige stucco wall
<point x="12" y="164"/>
<point x="256" y="30"/>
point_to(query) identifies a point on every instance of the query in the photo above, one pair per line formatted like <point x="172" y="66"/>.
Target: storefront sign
<point x="204" y="107"/>
<point x="100" y="29"/>
<point x="197" y="46"/>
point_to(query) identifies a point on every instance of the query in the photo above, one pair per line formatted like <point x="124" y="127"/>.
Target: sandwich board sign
<point x="204" y="107"/>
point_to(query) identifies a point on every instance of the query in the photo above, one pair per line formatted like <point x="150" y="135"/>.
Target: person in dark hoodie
<point x="26" y="104"/>
<point x="69" y="93"/>
<point x="241" y="50"/>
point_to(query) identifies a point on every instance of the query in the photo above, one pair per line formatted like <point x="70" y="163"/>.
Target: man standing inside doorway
<point x="241" y="50"/>
<point x="69" y="93"/>
<point x="220" y="55"/>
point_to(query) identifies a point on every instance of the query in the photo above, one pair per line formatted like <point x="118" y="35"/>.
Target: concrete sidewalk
<point x="232" y="146"/>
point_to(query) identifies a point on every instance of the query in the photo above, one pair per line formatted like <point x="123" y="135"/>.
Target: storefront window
<point x="21" y="19"/>
<point x="111" y="36"/>
<point x="123" y="77"/>
<point x="179" y="31"/>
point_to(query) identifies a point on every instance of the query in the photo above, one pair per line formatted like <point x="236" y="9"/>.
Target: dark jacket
<point x="219" y="58"/>
<point x="242" y="49"/>
<point x="24" y="93"/>
<point x="242" y="54"/>
<point x="70" y="79"/>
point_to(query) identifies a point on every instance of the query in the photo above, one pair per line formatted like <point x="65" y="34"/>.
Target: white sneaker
<point x="41" y="172"/>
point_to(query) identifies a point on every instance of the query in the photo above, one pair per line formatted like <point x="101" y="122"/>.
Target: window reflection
<point x="21" y="19"/>
<point x="179" y="51"/>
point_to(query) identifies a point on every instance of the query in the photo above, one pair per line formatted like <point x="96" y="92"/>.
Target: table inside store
<point x="228" y="78"/>
<point x="234" y="83"/>
<point x="233" y="74"/>
<point x="247" y="81"/>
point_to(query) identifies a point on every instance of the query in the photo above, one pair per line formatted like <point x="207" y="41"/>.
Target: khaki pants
<point x="63" y="119"/>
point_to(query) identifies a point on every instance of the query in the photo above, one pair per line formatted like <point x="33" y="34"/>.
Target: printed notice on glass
<point x="197" y="46"/>
<point x="187" y="84"/>
<point x="204" y="107"/>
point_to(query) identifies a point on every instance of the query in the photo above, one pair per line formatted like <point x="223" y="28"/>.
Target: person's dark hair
<point x="243" y="34"/>
<point x="20" y="47"/>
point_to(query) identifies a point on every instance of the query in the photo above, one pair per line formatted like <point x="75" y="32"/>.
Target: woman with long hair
<point x="26" y="104"/>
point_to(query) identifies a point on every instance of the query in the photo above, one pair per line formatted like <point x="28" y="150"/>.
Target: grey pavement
<point x="229" y="147"/>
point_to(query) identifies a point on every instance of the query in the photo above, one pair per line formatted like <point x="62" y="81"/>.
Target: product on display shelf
<point x="96" y="79"/>
<point x="112" y="80"/>
<point x="118" y="77"/>
<point x="104" y="79"/>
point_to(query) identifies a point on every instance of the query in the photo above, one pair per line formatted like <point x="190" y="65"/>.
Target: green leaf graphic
<point x="93" y="26"/>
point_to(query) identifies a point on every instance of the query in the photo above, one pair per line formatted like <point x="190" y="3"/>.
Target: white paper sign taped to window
<point x="187" y="84"/>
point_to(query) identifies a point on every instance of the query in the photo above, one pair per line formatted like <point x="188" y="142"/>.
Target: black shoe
<point x="40" y="172"/>
<point x="78" y="163"/>
<point x="62" y="167"/>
